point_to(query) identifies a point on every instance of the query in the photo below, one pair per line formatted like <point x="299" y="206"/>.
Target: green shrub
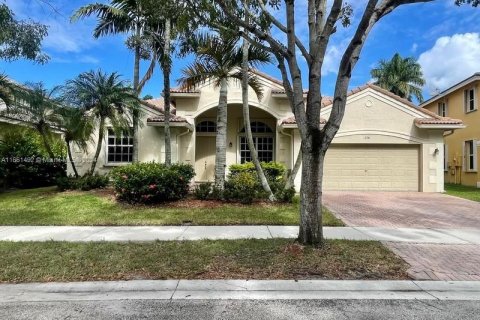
<point x="90" y="182"/>
<point x="285" y="195"/>
<point x="85" y="183"/>
<point x="203" y="191"/>
<point x="272" y="170"/>
<point x="25" y="162"/>
<point x="242" y="187"/>
<point x="151" y="182"/>
<point x="66" y="183"/>
<point x="275" y="174"/>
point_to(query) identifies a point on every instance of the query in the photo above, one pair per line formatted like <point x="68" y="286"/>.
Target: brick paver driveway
<point x="403" y="209"/>
<point x="416" y="210"/>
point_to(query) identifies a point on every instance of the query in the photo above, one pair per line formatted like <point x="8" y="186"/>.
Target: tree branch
<point x="283" y="28"/>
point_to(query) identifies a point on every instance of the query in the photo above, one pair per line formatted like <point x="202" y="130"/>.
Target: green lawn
<point x="46" y="206"/>
<point x="458" y="190"/>
<point x="206" y="259"/>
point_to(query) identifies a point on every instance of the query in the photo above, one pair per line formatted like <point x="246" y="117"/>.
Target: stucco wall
<point x="151" y="148"/>
<point x="371" y="118"/>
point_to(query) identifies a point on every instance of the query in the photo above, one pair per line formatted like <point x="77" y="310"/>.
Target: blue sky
<point x="445" y="39"/>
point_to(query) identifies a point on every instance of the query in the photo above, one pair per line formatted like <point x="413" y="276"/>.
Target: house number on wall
<point x="366" y="137"/>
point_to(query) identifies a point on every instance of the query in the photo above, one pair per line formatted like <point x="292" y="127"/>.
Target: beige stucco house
<point x="385" y="143"/>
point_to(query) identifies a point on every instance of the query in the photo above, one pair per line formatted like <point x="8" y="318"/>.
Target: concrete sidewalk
<point x="151" y="233"/>
<point x="240" y="289"/>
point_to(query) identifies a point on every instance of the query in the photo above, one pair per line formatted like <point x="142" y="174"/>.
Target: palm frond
<point x="195" y="74"/>
<point x="253" y="82"/>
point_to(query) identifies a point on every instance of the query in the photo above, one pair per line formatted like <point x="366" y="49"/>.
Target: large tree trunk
<point x="136" y="81"/>
<point x="248" y="128"/>
<point x="221" y="138"/>
<point x="101" y="132"/>
<point x="166" y="67"/>
<point x="293" y="174"/>
<point x="69" y="152"/>
<point x="311" y="232"/>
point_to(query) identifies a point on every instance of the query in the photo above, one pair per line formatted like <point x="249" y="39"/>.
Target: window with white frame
<point x="119" y="147"/>
<point x="263" y="140"/>
<point x="470" y="100"/>
<point x="442" y="108"/>
<point x="471" y="155"/>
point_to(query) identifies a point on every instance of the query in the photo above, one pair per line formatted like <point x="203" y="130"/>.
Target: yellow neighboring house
<point x="461" y="101"/>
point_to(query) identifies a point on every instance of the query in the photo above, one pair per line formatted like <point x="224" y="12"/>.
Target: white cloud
<point x="451" y="60"/>
<point x="85" y="59"/>
<point x="63" y="36"/>
<point x="414" y="48"/>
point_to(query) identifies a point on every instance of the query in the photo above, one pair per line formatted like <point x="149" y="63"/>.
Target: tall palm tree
<point x="124" y="16"/>
<point x="77" y="127"/>
<point x="38" y="106"/>
<point x="6" y="90"/>
<point x="219" y="58"/>
<point x="248" y="126"/>
<point x="107" y="98"/>
<point x="401" y="76"/>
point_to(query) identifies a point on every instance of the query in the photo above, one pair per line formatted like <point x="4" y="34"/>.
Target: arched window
<point x="206" y="127"/>
<point x="259" y="127"/>
<point x="263" y="139"/>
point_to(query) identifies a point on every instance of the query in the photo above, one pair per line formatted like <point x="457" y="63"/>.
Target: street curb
<point x="241" y="289"/>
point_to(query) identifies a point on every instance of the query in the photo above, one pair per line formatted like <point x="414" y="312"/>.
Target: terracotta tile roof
<point x="291" y="120"/>
<point x="438" y="121"/>
<point x="173" y="118"/>
<point x="158" y="104"/>
<point x="182" y="90"/>
<point x="283" y="91"/>
<point x="266" y="76"/>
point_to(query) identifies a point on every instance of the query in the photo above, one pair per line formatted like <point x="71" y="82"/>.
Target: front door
<point x="205" y="158"/>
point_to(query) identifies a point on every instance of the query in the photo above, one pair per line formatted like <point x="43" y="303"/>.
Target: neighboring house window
<point x="442" y="109"/>
<point x="263" y="139"/>
<point x="206" y="127"/>
<point x="471" y="155"/>
<point x="470" y="100"/>
<point x="120" y="148"/>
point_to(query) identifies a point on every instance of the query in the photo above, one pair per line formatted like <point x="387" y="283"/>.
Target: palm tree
<point x="246" y="120"/>
<point x="124" y="16"/>
<point x="107" y="98"/>
<point x="38" y="106"/>
<point x="6" y="90"/>
<point x="401" y="76"/>
<point x="77" y="127"/>
<point x="219" y="58"/>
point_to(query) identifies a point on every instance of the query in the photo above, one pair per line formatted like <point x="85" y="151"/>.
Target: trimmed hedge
<point x="85" y="183"/>
<point x="244" y="186"/>
<point x="151" y="182"/>
<point x="24" y="162"/>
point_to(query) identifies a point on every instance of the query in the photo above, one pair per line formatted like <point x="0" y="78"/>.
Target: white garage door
<point x="372" y="167"/>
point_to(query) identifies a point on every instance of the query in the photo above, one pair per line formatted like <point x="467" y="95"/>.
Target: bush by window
<point x="151" y="182"/>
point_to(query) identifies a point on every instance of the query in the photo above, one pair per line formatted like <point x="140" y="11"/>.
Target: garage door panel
<point x="372" y="167"/>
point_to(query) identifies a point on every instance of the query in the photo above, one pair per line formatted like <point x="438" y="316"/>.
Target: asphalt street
<point x="243" y="309"/>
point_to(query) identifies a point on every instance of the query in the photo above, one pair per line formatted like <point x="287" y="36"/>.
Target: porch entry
<point x="205" y="151"/>
<point x="263" y="138"/>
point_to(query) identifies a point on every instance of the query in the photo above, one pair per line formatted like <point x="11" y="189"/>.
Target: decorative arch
<point x="258" y="127"/>
<point x="206" y="126"/>
<point x="258" y="105"/>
